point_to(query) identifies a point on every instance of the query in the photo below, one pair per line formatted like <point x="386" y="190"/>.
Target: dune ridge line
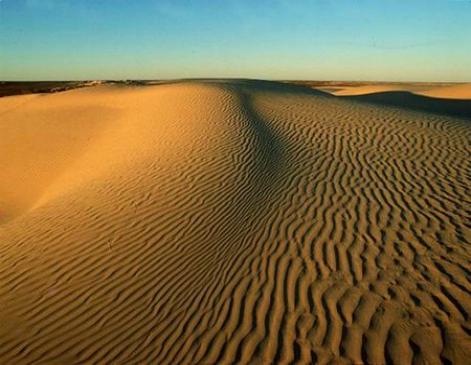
<point x="232" y="221"/>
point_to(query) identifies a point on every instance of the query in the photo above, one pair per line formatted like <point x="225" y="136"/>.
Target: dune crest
<point x="458" y="91"/>
<point x="231" y="222"/>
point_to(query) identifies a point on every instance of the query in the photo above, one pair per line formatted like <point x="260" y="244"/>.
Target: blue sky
<point x="408" y="40"/>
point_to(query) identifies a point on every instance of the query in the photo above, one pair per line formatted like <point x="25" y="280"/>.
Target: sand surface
<point x="458" y="91"/>
<point x="232" y="222"/>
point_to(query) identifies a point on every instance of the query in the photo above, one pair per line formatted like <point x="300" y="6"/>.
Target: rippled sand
<point x="216" y="222"/>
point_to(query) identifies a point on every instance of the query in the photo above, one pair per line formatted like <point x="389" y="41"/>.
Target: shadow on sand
<point x="407" y="100"/>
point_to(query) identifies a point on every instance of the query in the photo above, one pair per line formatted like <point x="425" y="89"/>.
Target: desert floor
<point x="213" y="222"/>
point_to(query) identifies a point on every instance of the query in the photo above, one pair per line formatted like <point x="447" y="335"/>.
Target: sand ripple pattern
<point x="245" y="222"/>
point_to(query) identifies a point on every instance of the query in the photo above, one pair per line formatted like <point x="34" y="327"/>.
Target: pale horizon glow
<point x="368" y="40"/>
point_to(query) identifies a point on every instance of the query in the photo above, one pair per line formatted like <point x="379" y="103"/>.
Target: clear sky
<point x="408" y="40"/>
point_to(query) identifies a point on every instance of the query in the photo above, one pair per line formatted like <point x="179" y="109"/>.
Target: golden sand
<point x="231" y="221"/>
<point x="458" y="91"/>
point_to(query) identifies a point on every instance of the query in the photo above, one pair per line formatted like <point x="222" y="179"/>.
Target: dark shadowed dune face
<point x="234" y="221"/>
<point x="407" y="100"/>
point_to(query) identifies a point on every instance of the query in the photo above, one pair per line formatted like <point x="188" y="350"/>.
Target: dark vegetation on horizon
<point x="400" y="99"/>
<point x="8" y="88"/>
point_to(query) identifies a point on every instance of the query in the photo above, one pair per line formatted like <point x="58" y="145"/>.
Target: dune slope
<point x="231" y="221"/>
<point x="460" y="91"/>
<point x="455" y="91"/>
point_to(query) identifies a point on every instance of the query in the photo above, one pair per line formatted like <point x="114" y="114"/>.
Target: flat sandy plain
<point x="236" y="221"/>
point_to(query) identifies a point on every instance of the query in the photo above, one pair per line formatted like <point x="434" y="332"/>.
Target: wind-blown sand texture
<point x="231" y="221"/>
<point x="452" y="100"/>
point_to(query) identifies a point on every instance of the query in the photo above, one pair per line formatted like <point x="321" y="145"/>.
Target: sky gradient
<point x="390" y="40"/>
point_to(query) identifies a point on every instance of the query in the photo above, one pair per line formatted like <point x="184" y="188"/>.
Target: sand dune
<point x="461" y="91"/>
<point x="452" y="100"/>
<point x="231" y="222"/>
<point x="370" y="89"/>
<point x="456" y="91"/>
<point x="410" y="101"/>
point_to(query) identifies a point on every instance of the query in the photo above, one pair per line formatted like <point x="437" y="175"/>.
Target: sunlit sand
<point x="217" y="222"/>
